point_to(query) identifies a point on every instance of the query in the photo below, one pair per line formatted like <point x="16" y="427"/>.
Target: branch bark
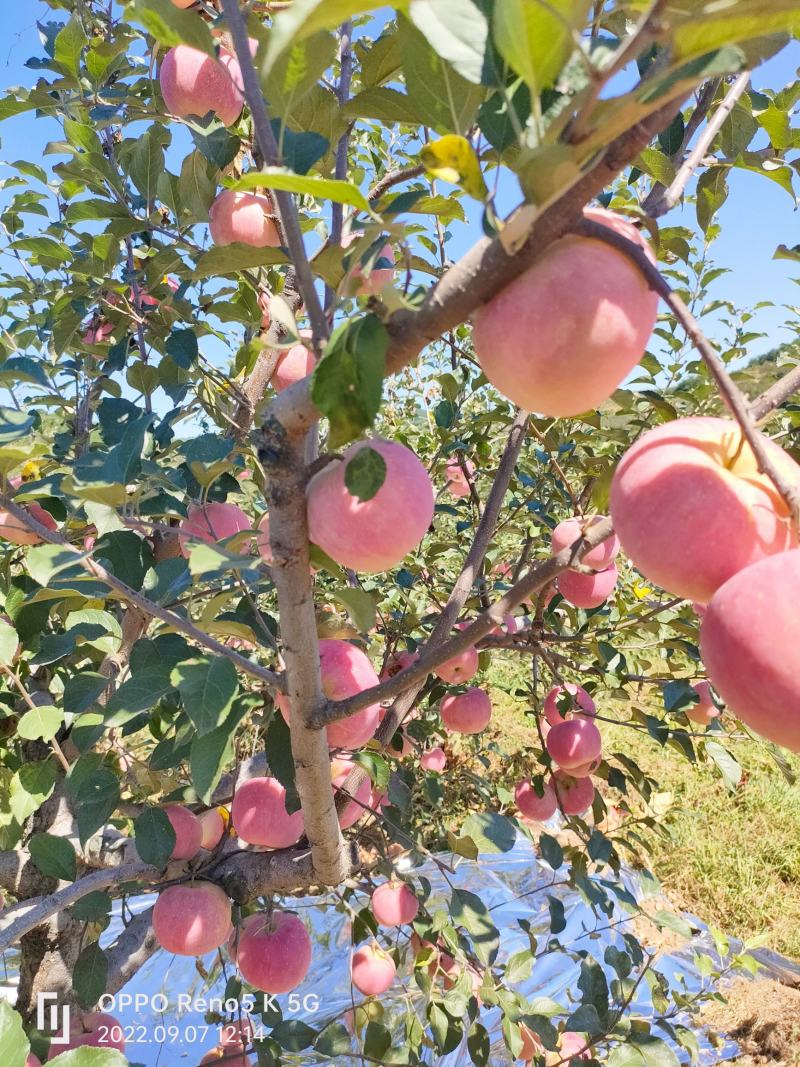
<point x="132" y="949"/>
<point x="483" y="271"/>
<point x="776" y="395"/>
<point x="733" y="396"/>
<point x="147" y="607"/>
<point x="670" y="196"/>
<point x="284" y="461"/>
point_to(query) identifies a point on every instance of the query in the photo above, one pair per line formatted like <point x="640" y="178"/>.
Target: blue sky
<point x="758" y="216"/>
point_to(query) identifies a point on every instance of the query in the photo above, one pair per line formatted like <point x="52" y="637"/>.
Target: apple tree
<point x="298" y="479"/>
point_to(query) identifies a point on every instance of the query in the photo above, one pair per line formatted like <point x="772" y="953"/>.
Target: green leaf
<point x="40" y="724"/>
<point x="727" y="24"/>
<point x="209" y="756"/>
<point x="89" y="975"/>
<point x="469" y="911"/>
<point x="207" y="686"/>
<point x="45" y="561"/>
<point x="171" y="26"/>
<point x="54" y="856"/>
<point x="95" y="796"/>
<point x="14" y="1044"/>
<point x="90" y="1057"/>
<point x="726" y="764"/>
<point x="361" y="606"/>
<point x="138" y="693"/>
<point x="217" y="144"/>
<point x="594" y="988"/>
<point x="93" y="908"/>
<point x="30" y="787"/>
<point x="536" y="38"/>
<point x="308" y="184"/>
<point x="9" y="643"/>
<point x="155" y="837"/>
<point x="231" y="259"/>
<point x="490" y="832"/>
<point x="440" y="96"/>
<point x="306" y="17"/>
<point x="365" y="473"/>
<point x="712" y="192"/>
<point x="69" y="45"/>
<point x="657" y="165"/>
<point x="347" y="383"/>
<point x="83" y="690"/>
<point x="127" y="555"/>
<point x="14" y="424"/>
<point x="334" y="1040"/>
<point x="551" y="850"/>
<point x="457" y="30"/>
<point x="386" y="105"/>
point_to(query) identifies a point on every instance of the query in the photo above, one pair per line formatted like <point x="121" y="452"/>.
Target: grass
<point x="733" y="859"/>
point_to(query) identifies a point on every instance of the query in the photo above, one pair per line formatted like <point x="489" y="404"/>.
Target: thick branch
<point x="731" y="394"/>
<point x="284" y="462"/>
<point x="670" y="197"/>
<point x="132" y="949"/>
<point x="147" y="607"/>
<point x="245" y="876"/>
<point x="540" y="575"/>
<point x="776" y="395"/>
<point x="286" y="208"/>
<point x="483" y="271"/>
<point x="29" y="914"/>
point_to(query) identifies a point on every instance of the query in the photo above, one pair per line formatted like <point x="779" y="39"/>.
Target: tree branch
<point x="537" y="578"/>
<point x="776" y="395"/>
<point x="285" y="206"/>
<point x="394" y="177"/>
<point x="485" y="270"/>
<point x="284" y="461"/>
<point x="147" y="607"/>
<point x="245" y="876"/>
<point x="731" y="394"/>
<point x="669" y="197"/>
<point x="132" y="949"/>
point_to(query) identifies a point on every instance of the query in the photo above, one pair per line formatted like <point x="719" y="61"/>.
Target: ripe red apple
<point x="531" y="805"/>
<point x="588" y="590"/>
<point x="188" y="831"/>
<point x="361" y="803"/>
<point x="574" y="743"/>
<point x="574" y="795"/>
<point x="569" y="531"/>
<point x="98" y="334"/>
<point x="749" y="642"/>
<point x="192" y="84"/>
<point x="371" y="535"/>
<point x="273" y="951"/>
<point x="706" y="711"/>
<point x="582" y="703"/>
<point x="692" y="509"/>
<point x="212" y="824"/>
<point x="14" y="530"/>
<point x="372" y="970"/>
<point x="357" y="282"/>
<point x="192" y="919"/>
<point x="459" y="668"/>
<point x="394" y="904"/>
<point x="574" y="1046"/>
<point x="457" y="481"/>
<point x="293" y="365"/>
<point x="398" y="661"/>
<point x="259" y="814"/>
<point x="466" y="713"/>
<point x="98" y="1030"/>
<point x="210" y="523"/>
<point x="246" y="218"/>
<point x="433" y="760"/>
<point x="563" y="335"/>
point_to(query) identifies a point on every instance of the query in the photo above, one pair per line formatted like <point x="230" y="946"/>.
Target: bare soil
<point x="763" y="1016"/>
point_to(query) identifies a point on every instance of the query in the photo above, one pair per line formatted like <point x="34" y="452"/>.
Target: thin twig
<point x="776" y="395"/>
<point x="148" y="607"/>
<point x="731" y="394"/>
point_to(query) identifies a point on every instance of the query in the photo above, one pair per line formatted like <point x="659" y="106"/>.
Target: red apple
<point x="192" y="919"/>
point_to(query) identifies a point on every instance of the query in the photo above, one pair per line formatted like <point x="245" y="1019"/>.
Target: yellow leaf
<point x="641" y="591"/>
<point x="452" y="158"/>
